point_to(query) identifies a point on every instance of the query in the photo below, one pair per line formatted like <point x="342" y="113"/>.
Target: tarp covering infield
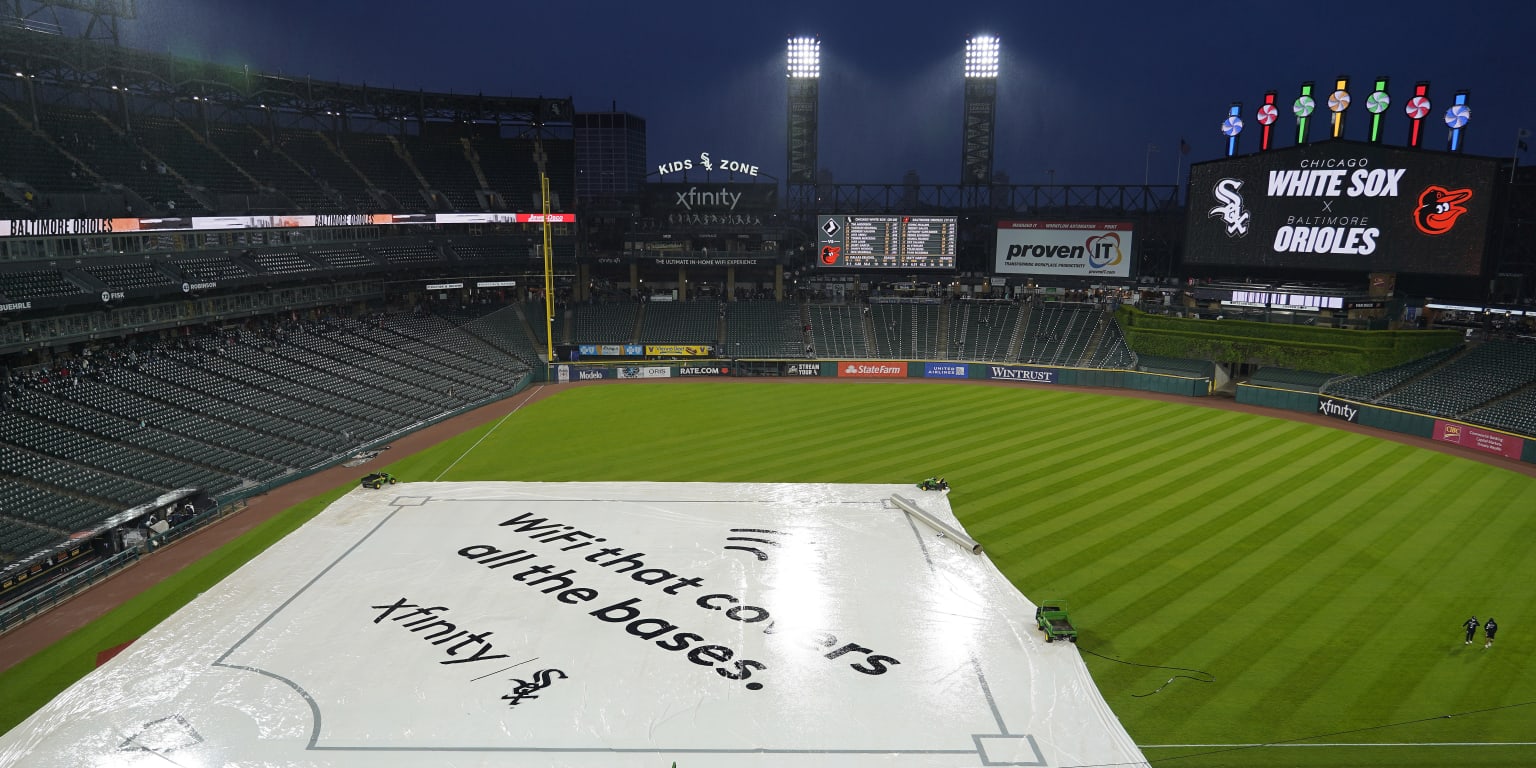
<point x="595" y="624"/>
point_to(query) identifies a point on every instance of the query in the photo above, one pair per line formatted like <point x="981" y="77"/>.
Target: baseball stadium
<point x="345" y="425"/>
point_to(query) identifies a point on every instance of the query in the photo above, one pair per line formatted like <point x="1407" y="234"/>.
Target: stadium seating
<point x="36" y="284"/>
<point x="341" y="258"/>
<point x="201" y="269"/>
<point x="386" y="168"/>
<point x="1288" y="378"/>
<point x="33" y="159"/>
<point x="980" y="330"/>
<point x="1175" y="366"/>
<point x="837" y="330"/>
<point x="1112" y="351"/>
<point x="125" y="277"/>
<point x="191" y="157"/>
<point x="1370" y="387"/>
<point x="769" y="329"/>
<point x="282" y="262"/>
<point x="603" y="323"/>
<point x="313" y="153"/>
<point x="1487" y="371"/>
<point x="447" y="169"/>
<point x="511" y="170"/>
<point x="680" y="322"/>
<point x="1515" y="413"/>
<point x="1058" y="334"/>
<point x="250" y="150"/>
<point x="118" y="157"/>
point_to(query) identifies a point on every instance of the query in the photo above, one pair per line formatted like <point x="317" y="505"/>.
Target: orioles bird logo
<point x="1439" y="208"/>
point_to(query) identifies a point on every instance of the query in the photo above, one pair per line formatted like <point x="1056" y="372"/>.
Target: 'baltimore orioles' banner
<point x="1342" y="205"/>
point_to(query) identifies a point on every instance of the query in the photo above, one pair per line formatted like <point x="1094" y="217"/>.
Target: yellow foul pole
<point x="549" y="275"/>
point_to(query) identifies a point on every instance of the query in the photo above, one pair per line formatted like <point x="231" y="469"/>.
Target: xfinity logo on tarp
<point x="1338" y="409"/>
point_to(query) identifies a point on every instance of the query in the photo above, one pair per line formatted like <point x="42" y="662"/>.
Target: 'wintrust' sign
<point x="1019" y="373"/>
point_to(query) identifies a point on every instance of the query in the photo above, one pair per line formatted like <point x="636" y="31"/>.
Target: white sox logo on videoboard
<point x="1345" y="206"/>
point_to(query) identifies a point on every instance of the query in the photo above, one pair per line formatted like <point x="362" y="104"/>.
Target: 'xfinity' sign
<point x="720" y="199"/>
<point x="1338" y="409"/>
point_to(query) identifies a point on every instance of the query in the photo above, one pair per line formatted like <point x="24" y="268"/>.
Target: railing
<point x="17" y="613"/>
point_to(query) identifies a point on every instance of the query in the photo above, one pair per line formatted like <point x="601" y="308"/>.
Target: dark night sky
<point x="1085" y="86"/>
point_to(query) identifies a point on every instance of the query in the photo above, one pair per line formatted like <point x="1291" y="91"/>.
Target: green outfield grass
<point x="1320" y="576"/>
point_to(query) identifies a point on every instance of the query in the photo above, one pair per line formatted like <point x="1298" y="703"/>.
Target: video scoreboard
<point x="887" y="242"/>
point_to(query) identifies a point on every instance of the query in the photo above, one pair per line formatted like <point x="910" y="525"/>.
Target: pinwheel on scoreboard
<point x="1302" y="108"/>
<point x="1377" y="104"/>
<point x="1232" y="126"/>
<point x="1338" y="101"/>
<point x="1267" y="115"/>
<point x="1456" y="119"/>
<point x="1416" y="108"/>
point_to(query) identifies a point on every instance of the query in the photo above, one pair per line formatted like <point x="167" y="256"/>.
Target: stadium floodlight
<point x="804" y="57"/>
<point x="981" y="56"/>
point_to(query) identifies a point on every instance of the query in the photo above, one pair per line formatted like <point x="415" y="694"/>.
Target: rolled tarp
<point x="927" y="518"/>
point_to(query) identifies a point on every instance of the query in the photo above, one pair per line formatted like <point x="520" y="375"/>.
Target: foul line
<point x="1379" y="744"/>
<point x="488" y="432"/>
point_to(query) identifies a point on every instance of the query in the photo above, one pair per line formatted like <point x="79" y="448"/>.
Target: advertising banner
<point x="944" y="371"/>
<point x="58" y="227"/>
<point x="864" y="369"/>
<point x="802" y="369"/>
<point x="1338" y="409"/>
<point x="611" y="350"/>
<point x="704" y="370"/>
<point x="662" y="198"/>
<point x="580" y="373"/>
<point x="1021" y="373"/>
<point x="678" y="350"/>
<point x="563" y="374"/>
<point x="1480" y="439"/>
<point x="1342" y="205"/>
<point x="645" y="372"/>
<point x="1066" y="248"/>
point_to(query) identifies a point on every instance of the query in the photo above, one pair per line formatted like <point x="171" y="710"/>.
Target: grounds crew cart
<point x="377" y="480"/>
<point x="1052" y="617"/>
<point x="934" y="484"/>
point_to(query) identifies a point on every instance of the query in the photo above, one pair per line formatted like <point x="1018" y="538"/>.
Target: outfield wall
<point x="1474" y="436"/>
<point x="887" y="369"/>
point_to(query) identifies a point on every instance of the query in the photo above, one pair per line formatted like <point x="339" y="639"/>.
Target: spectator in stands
<point x="1471" y="627"/>
<point x="1488" y="631"/>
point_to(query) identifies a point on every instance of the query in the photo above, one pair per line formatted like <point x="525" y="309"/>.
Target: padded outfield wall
<point x="1474" y="436"/>
<point x="885" y="369"/>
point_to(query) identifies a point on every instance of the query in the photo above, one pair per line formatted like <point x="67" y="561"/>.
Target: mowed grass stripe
<point x="1425" y="567"/>
<point x="1354" y="591"/>
<point x="1302" y="563"/>
<point x="1208" y="540"/>
<point x="1210" y="613"/>
<point x="1149" y="477"/>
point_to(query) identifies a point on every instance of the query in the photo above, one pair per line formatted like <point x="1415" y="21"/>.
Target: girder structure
<point x="64" y="67"/>
<point x="93" y="19"/>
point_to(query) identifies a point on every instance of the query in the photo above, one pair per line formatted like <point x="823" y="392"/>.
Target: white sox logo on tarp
<point x="1231" y="209"/>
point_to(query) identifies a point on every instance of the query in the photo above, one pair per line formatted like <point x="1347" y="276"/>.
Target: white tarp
<point x="595" y="624"/>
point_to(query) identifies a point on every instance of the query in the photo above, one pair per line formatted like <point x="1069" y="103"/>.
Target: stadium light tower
<point x="804" y="73"/>
<point x="980" y="116"/>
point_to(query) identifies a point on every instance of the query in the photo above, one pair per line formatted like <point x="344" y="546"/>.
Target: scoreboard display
<point x="887" y="242"/>
<point x="1342" y="205"/>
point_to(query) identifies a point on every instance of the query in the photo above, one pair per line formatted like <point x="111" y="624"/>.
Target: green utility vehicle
<point x="378" y="479"/>
<point x="1052" y="617"/>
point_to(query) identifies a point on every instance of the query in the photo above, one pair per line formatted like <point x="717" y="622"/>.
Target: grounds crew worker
<point x="1488" y="630"/>
<point x="1471" y="626"/>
